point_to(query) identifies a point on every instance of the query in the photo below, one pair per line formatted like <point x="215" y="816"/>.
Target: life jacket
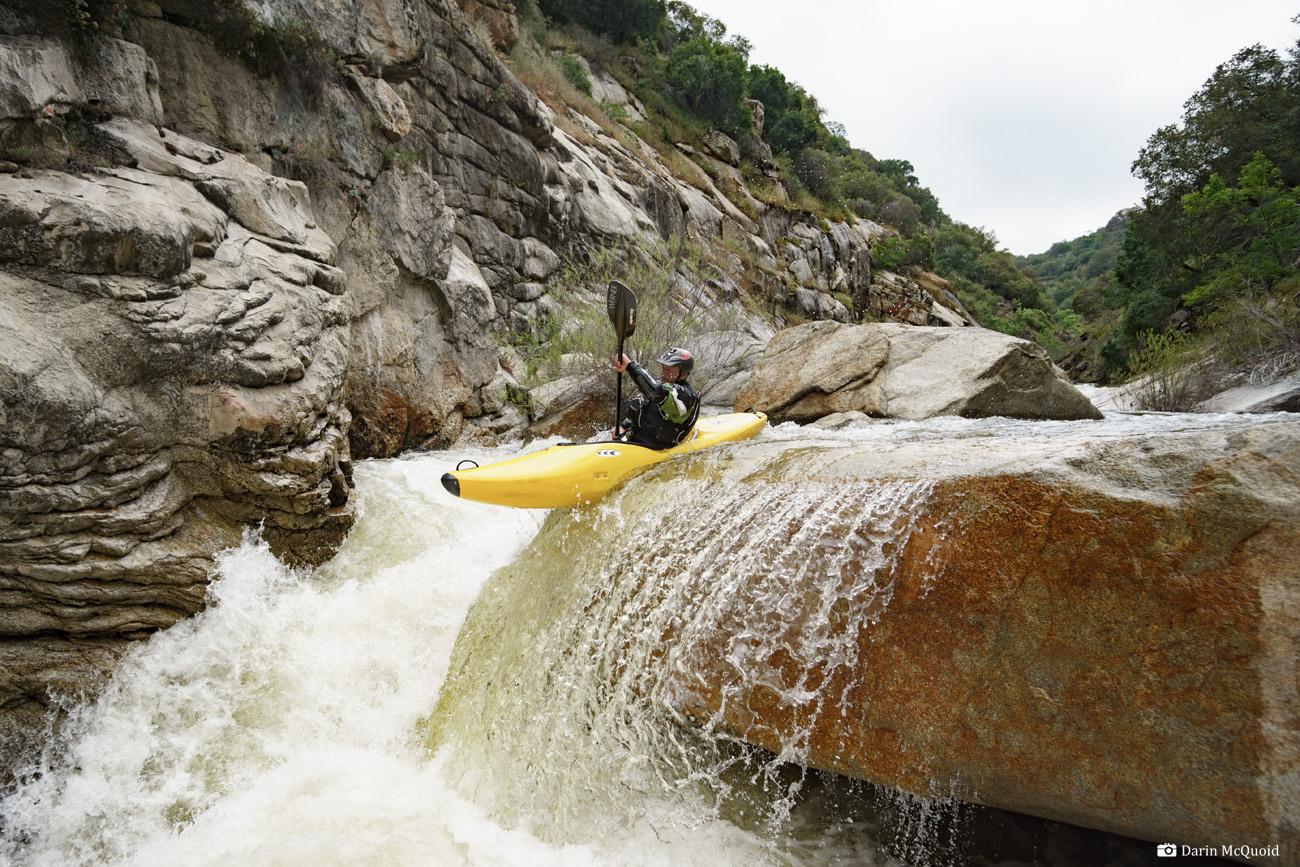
<point x="663" y="415"/>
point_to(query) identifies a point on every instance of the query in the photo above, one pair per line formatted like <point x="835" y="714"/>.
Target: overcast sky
<point x="1021" y="117"/>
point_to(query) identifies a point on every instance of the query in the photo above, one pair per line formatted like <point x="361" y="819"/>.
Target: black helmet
<point x="678" y="358"/>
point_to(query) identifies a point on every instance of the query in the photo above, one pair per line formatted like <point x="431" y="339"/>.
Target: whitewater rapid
<point x="282" y="726"/>
<point x="288" y="724"/>
<point x="279" y="725"/>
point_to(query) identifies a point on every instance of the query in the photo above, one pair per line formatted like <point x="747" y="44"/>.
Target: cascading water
<point x="321" y="716"/>
<point x="582" y="704"/>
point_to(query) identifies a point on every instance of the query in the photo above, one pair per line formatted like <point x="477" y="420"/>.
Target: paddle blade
<point x="621" y="304"/>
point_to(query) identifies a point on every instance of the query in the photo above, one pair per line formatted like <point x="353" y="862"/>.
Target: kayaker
<point x="664" y="413"/>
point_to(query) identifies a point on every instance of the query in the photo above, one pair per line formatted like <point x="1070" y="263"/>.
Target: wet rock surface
<point x="1094" y="628"/>
<point x="173" y="345"/>
<point x="1103" y="634"/>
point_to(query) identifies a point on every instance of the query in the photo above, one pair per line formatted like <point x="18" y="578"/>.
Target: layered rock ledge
<point x="173" y="355"/>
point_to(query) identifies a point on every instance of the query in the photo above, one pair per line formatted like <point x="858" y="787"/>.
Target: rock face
<point x="173" y="345"/>
<point x="893" y="371"/>
<point x="1280" y="396"/>
<point x="499" y="18"/>
<point x="1084" y="626"/>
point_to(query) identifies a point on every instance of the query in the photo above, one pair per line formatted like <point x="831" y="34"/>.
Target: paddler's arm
<point x="669" y="398"/>
<point x="652" y="388"/>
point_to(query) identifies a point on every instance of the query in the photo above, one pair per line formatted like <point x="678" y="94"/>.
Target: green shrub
<point x="623" y="21"/>
<point x="1170" y="372"/>
<point x="674" y="308"/>
<point x="894" y="254"/>
<point x="816" y="170"/>
<point x="792" y="118"/>
<point x="1259" y="337"/>
<point x="708" y="77"/>
<point x="574" y="71"/>
<point x="614" y="111"/>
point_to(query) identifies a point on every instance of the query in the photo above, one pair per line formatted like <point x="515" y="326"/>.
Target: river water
<point x="290" y="724"/>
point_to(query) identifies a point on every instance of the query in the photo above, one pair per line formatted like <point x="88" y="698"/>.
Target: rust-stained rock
<point x="1071" y="648"/>
<point x="1084" y="626"/>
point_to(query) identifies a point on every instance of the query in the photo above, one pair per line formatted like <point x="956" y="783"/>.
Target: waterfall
<point x="470" y="684"/>
<point x="279" y="726"/>
<point x="606" y="643"/>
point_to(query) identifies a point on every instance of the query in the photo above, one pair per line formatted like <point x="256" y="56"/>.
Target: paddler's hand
<point x="621" y="363"/>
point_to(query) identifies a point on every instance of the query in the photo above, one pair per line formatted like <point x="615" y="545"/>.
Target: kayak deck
<point x="575" y="473"/>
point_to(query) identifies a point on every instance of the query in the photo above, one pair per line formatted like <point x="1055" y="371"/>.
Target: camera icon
<point x="1167" y="850"/>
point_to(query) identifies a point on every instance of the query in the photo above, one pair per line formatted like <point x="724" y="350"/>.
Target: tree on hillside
<point x="1203" y="232"/>
<point x="972" y="254"/>
<point x="1084" y="264"/>
<point x="792" y="117"/>
<point x="1242" y="239"/>
<point x="1248" y="106"/>
<point x="705" y="70"/>
<point x="622" y="21"/>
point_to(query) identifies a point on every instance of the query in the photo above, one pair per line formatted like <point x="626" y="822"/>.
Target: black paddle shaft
<point x="621" y="306"/>
<point x="618" y="395"/>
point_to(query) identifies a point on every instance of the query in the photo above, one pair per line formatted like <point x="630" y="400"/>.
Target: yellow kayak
<point x="574" y="473"/>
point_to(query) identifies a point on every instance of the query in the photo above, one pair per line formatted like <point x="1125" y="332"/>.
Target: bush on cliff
<point x="623" y="21"/>
<point x="676" y="306"/>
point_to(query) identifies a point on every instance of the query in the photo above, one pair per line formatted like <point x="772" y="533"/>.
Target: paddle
<point x="621" y="306"/>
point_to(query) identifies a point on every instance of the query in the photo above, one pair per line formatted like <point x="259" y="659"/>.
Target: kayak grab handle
<point x="472" y="464"/>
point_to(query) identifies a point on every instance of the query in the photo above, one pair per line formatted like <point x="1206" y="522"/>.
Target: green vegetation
<point x="1244" y="239"/>
<point x="1203" y="285"/>
<point x="575" y="72"/>
<point x="1198" y="287"/>
<point x="1202" y="278"/>
<point x="623" y="21"/>
<point x="692" y="76"/>
<point x="403" y="158"/>
<point x="583" y="344"/>
<point x="706" y="72"/>
<point x="84" y="22"/>
<point x="1211" y="254"/>
<point x="1084" y="265"/>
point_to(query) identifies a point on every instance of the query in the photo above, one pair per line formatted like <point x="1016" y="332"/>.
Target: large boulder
<point x="1089" y="627"/>
<point x="895" y="371"/>
<point x="1106" y="636"/>
<point x="1282" y="395"/>
<point x="721" y="146"/>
